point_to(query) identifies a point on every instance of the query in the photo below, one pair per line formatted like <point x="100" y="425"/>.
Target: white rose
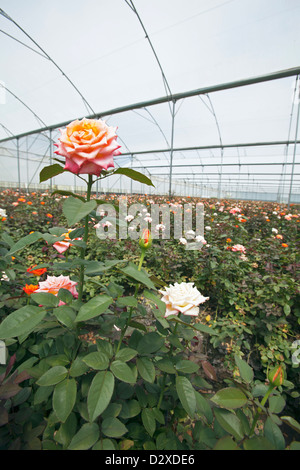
<point x="182" y="298"/>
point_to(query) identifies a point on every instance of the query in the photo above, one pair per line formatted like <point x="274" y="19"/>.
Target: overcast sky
<point x="101" y="46"/>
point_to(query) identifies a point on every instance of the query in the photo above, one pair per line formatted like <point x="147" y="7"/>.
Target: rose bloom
<point x="63" y="245"/>
<point x="182" y="298"/>
<point x="238" y="247"/>
<point x="53" y="283"/>
<point x="30" y="288"/>
<point x="36" y="272"/>
<point x="234" y="210"/>
<point x="88" y="146"/>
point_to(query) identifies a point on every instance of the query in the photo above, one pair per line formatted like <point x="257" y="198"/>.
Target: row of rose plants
<point x="116" y="365"/>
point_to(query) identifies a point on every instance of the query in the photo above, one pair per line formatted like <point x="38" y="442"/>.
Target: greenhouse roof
<point x="207" y="79"/>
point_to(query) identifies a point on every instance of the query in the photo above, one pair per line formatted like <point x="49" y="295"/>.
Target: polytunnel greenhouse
<point x="205" y="99"/>
<point x="149" y="227"/>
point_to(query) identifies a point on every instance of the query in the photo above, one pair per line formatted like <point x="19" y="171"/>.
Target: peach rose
<point x="53" y="283"/>
<point x="240" y="248"/>
<point x="89" y="146"/>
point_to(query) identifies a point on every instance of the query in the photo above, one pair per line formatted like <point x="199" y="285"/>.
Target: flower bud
<point x="276" y="376"/>
<point x="145" y="239"/>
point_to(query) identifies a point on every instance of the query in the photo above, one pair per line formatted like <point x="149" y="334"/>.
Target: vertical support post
<point x="172" y="145"/>
<point x="27" y="166"/>
<point x="51" y="156"/>
<point x="219" y="193"/>
<point x="294" y="154"/>
<point x="131" y="178"/>
<point x="18" y="158"/>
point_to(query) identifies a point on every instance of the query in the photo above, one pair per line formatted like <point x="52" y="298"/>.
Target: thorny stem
<point x="131" y="308"/>
<point x="85" y="237"/>
<point x="270" y="389"/>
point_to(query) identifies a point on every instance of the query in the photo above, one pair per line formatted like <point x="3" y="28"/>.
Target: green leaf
<point x="85" y="438"/>
<point x="64" y="397"/>
<point x="226" y="443"/>
<point x="246" y="371"/>
<point x="276" y="403"/>
<point x="113" y="427"/>
<point x="65" y="315"/>
<point x="123" y="372"/>
<point x="45" y="299"/>
<point x="75" y="210"/>
<point x="21" y="321"/>
<point x="158" y="302"/>
<point x="100" y="393"/>
<point x="66" y="431"/>
<point x="130" y="409"/>
<point x="65" y="295"/>
<point x="78" y="367"/>
<point x="134" y="175"/>
<point x="291" y="422"/>
<point x="126" y="354"/>
<point x="230" y="422"/>
<point x="24" y="241"/>
<point x="203" y="407"/>
<point x="132" y="271"/>
<point x="187" y="367"/>
<point x="128" y="301"/>
<point x="258" y="443"/>
<point x="146" y="369"/>
<point x="150" y="343"/>
<point x="230" y="398"/>
<point x="50" y="171"/>
<point x="67" y="193"/>
<point x="94" y="307"/>
<point x="148" y="421"/>
<point x="274" y="434"/>
<point x="53" y="376"/>
<point x="287" y="309"/>
<point x="186" y="395"/>
<point x="204" y="329"/>
<point x="166" y="365"/>
<point x="96" y="360"/>
<point x="104" y="444"/>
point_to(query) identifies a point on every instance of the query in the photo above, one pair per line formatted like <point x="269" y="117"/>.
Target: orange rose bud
<point x="30" y="288"/>
<point x="276" y="376"/>
<point x="145" y="239"/>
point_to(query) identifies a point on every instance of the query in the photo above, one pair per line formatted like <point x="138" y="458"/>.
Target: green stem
<point x="85" y="238"/>
<point x="131" y="308"/>
<point x="162" y="391"/>
<point x="269" y="391"/>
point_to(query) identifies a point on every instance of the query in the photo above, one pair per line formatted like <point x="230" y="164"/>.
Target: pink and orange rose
<point x="88" y="146"/>
<point x="53" y="284"/>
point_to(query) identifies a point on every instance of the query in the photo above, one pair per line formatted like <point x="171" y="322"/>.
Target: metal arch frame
<point x="179" y="96"/>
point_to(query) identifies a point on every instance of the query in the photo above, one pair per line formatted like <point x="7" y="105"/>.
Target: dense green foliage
<point x="108" y="370"/>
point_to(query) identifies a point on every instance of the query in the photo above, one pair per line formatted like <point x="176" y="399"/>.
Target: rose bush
<point x="111" y="368"/>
